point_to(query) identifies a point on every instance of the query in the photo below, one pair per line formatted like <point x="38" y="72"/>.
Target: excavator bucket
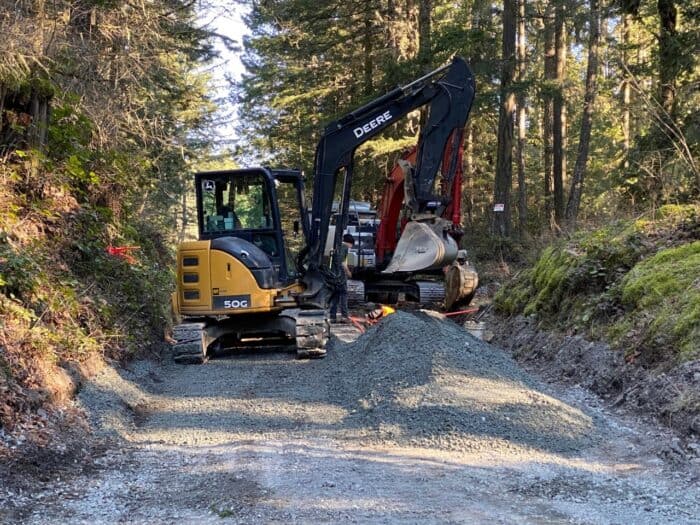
<point x="422" y="248"/>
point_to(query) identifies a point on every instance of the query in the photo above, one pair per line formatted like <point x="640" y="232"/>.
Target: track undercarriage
<point x="451" y="289"/>
<point x="197" y="338"/>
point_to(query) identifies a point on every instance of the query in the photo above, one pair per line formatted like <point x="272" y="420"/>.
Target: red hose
<point x="467" y="311"/>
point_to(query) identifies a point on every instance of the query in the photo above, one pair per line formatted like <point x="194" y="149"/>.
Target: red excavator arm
<point x="448" y="93"/>
<point x="390" y="228"/>
<point x="392" y="221"/>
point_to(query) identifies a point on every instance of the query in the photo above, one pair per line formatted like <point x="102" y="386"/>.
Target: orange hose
<point x="467" y="311"/>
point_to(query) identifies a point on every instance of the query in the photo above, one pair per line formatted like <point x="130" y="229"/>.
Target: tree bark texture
<point x="574" y="203"/>
<point x="392" y="16"/>
<point x="668" y="59"/>
<point x="31" y="113"/>
<point x="367" y="49"/>
<point x="520" y="118"/>
<point x="2" y="107"/>
<point x="469" y="173"/>
<point x="504" y="160"/>
<point x="626" y="90"/>
<point x="559" y="117"/>
<point x="425" y="11"/>
<point x="550" y="75"/>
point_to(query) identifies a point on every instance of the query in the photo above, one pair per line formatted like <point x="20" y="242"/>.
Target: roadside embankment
<point x="672" y="396"/>
<point x="68" y="305"/>
<point x="617" y="310"/>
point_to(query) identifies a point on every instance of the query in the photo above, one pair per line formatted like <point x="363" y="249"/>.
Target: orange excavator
<point x="408" y="245"/>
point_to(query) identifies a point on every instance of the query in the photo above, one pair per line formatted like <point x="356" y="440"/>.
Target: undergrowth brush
<point x="65" y="302"/>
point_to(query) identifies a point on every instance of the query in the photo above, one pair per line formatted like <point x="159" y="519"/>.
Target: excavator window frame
<point x="278" y="256"/>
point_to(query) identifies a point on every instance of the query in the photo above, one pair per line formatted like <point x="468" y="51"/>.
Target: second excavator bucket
<point x="461" y="281"/>
<point x="422" y="246"/>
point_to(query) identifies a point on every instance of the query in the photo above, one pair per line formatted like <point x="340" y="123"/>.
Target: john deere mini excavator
<point x="239" y="285"/>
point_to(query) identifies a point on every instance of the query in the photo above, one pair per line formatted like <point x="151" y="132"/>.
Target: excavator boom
<point x="448" y="92"/>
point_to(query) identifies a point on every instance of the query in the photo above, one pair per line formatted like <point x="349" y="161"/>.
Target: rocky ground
<point x="670" y="393"/>
<point x="413" y="421"/>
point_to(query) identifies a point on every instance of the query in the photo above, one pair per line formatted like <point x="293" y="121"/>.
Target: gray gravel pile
<point x="415" y="379"/>
<point x="419" y="379"/>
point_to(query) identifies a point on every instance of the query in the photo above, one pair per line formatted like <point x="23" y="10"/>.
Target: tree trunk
<point x="38" y="113"/>
<point x="44" y="115"/>
<point x="3" y="91"/>
<point x="574" y="203"/>
<point x="367" y="46"/>
<point x="469" y="172"/>
<point x="626" y="90"/>
<point x="550" y="75"/>
<point x="668" y="55"/>
<point x="392" y="16"/>
<point x="604" y="49"/>
<point x="504" y="160"/>
<point x="425" y="10"/>
<point x="520" y="118"/>
<point x="559" y="119"/>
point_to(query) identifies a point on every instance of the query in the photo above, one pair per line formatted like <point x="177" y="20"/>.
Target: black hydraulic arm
<point x="450" y="92"/>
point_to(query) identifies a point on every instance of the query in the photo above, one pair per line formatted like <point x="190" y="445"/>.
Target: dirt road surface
<point x="414" y="422"/>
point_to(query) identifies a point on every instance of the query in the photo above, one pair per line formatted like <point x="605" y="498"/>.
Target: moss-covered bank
<point x="634" y="283"/>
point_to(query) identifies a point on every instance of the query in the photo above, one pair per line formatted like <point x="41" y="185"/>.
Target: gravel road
<point x="414" y="421"/>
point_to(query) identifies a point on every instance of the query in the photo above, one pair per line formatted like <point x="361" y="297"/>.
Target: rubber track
<point x="189" y="348"/>
<point x="312" y="332"/>
<point x="431" y="292"/>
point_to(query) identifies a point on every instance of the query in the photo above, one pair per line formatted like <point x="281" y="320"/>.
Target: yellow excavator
<point x="237" y="285"/>
<point x="241" y="285"/>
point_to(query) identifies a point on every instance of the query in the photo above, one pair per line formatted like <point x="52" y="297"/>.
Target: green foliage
<point x="678" y="214"/>
<point x="70" y="130"/>
<point x="585" y="266"/>
<point x="80" y="177"/>
<point x="222" y="512"/>
<point x="309" y="64"/>
<point x="622" y="282"/>
<point x="123" y="108"/>
<point x="551" y="277"/>
<point x="19" y="272"/>
<point x="80" y="300"/>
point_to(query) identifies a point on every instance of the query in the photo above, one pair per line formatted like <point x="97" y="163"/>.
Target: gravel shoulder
<point x="413" y="421"/>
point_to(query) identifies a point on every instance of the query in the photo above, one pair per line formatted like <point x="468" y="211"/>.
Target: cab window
<point x="238" y="202"/>
<point x="290" y="213"/>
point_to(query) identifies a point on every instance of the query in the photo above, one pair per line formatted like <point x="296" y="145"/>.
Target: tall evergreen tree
<point x="504" y="162"/>
<point x="574" y="202"/>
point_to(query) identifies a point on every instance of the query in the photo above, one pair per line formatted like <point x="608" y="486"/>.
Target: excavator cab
<point x="237" y="284"/>
<point x="244" y="204"/>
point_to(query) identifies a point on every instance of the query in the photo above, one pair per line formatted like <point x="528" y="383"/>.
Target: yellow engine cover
<point x="211" y="282"/>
